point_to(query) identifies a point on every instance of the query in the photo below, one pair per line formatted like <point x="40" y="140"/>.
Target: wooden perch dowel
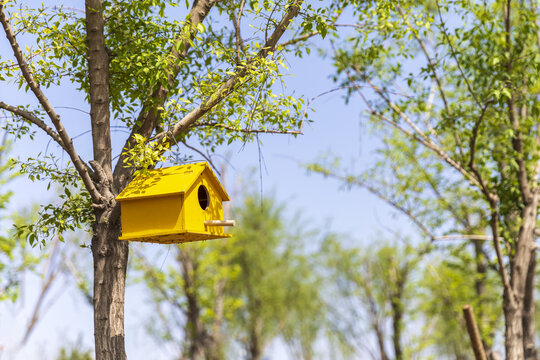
<point x="220" y="223"/>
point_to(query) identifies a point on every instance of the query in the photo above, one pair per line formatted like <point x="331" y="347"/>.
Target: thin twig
<point x="315" y="33"/>
<point x="454" y="55"/>
<point x="419" y="135"/>
<point x="465" y="237"/>
<point x="380" y="195"/>
<point x="248" y="131"/>
<point x="431" y="64"/>
<point x="207" y="158"/>
<point x="236" y="22"/>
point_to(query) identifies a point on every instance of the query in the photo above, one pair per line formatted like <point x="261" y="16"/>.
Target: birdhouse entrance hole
<point x="204" y="199"/>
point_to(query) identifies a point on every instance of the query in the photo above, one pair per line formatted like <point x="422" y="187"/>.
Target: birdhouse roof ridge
<point x="170" y="180"/>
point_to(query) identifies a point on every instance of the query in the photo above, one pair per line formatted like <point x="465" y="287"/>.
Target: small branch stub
<point x="474" y="334"/>
<point x="220" y="223"/>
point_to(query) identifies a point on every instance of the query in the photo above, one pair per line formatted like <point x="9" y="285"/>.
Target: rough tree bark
<point x="110" y="256"/>
<point x="515" y="299"/>
<point x="110" y="263"/>
<point x="528" y="312"/>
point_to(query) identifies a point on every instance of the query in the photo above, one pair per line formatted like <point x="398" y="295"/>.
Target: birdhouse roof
<point x="171" y="180"/>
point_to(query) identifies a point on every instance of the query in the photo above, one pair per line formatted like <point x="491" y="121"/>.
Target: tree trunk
<point x="194" y="329"/>
<point x="255" y="346"/>
<point x="215" y="350"/>
<point x="514" y="307"/>
<point x="528" y="312"/>
<point x="110" y="255"/>
<point x="480" y="290"/>
<point x="379" y="334"/>
<point x="202" y="342"/>
<point x="513" y="334"/>
<point x="397" y="316"/>
<point x="110" y="264"/>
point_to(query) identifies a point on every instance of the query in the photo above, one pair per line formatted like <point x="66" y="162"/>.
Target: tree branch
<point x="44" y="101"/>
<point x="431" y="64"/>
<point x="454" y="55"/>
<point x="494" y="223"/>
<point x="207" y="158"/>
<point x="149" y="116"/>
<point x="377" y="193"/>
<point x="447" y="204"/>
<point x="228" y="87"/>
<point x="246" y="130"/>
<point x="34" y="120"/>
<point x="527" y="192"/>
<point x="490" y="195"/>
<point x="300" y="38"/>
<point x="236" y="23"/>
<point x="474" y="137"/>
<point x="465" y="237"/>
<point x="418" y="134"/>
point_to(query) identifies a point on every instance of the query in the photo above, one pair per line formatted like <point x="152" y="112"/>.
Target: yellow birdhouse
<point x="174" y="205"/>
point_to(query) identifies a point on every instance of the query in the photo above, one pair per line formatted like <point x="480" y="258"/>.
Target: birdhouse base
<point x="173" y="238"/>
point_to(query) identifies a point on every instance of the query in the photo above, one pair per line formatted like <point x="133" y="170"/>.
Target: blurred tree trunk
<point x="200" y="343"/>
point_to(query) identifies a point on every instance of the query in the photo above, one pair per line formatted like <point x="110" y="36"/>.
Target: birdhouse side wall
<point x="153" y="215"/>
<point x="195" y="216"/>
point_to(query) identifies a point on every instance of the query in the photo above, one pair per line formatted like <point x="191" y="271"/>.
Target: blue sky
<point x="336" y="127"/>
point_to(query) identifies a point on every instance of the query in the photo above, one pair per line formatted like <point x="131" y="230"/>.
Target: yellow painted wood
<point x="171" y="180"/>
<point x="164" y="206"/>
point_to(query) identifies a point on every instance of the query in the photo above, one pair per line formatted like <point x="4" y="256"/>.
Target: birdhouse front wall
<point x="152" y="215"/>
<point x="195" y="215"/>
